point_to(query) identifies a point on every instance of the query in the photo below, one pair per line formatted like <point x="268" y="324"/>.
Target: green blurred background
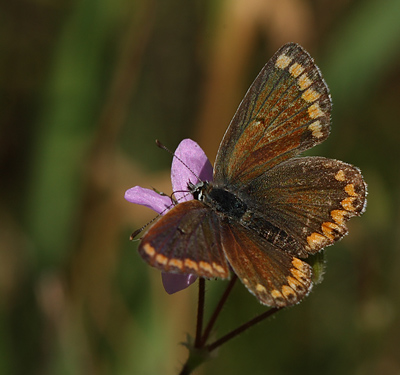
<point x="86" y="88"/>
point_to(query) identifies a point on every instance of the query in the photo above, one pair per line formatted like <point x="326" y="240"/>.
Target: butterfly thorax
<point x="221" y="200"/>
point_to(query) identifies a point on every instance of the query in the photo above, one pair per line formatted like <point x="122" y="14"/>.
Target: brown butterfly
<point x="266" y="209"/>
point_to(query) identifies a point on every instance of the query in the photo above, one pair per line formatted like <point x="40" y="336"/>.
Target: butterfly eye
<point x="197" y="190"/>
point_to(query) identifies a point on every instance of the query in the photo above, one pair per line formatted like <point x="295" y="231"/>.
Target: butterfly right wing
<point x="186" y="240"/>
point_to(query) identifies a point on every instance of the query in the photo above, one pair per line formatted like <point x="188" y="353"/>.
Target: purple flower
<point x="197" y="164"/>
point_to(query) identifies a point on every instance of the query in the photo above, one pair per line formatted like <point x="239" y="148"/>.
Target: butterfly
<point x="266" y="209"/>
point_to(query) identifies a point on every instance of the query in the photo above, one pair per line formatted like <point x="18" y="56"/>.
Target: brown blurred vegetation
<point x="86" y="88"/>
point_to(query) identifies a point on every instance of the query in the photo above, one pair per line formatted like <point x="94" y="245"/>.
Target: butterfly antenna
<point x="163" y="147"/>
<point x="137" y="231"/>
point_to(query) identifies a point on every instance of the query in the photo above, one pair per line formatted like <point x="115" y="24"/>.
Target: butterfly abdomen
<point x="278" y="237"/>
<point x="236" y="210"/>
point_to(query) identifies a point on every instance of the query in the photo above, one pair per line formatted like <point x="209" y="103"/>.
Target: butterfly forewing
<point x="186" y="240"/>
<point x="285" y="111"/>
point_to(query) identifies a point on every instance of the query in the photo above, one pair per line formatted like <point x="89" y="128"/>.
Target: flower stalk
<point x="199" y="350"/>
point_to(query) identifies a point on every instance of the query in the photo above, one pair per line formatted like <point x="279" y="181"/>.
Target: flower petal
<point x="194" y="157"/>
<point x="174" y="282"/>
<point x="149" y="198"/>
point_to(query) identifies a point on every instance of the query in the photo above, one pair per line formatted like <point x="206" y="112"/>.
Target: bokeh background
<point x="86" y="88"/>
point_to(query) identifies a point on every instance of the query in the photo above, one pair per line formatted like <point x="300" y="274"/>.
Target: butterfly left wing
<point x="285" y="111"/>
<point x="186" y="240"/>
<point x="275" y="277"/>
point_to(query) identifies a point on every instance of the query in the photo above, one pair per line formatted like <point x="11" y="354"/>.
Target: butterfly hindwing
<point x="310" y="199"/>
<point x="186" y="240"/>
<point x="275" y="277"/>
<point x="285" y="111"/>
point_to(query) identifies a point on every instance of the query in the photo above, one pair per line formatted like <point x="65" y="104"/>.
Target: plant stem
<point x="185" y="370"/>
<point x="200" y="313"/>
<point x="242" y="328"/>
<point x="217" y="310"/>
<point x="200" y="352"/>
